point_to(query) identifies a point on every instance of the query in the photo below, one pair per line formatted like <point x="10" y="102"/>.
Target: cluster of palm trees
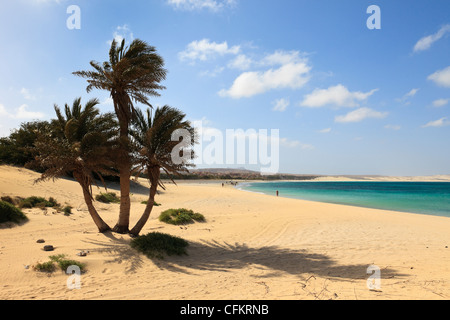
<point x="90" y="145"/>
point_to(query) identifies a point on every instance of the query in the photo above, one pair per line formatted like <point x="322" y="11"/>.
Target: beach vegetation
<point x="109" y="197"/>
<point x="38" y="202"/>
<point x="156" y="204"/>
<point x="17" y="149"/>
<point x="67" y="210"/>
<point x="9" y="213"/>
<point x="58" y="261"/>
<point x="157" y="245"/>
<point x="131" y="75"/>
<point x="180" y="216"/>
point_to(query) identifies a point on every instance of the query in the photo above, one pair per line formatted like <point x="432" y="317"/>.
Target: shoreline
<point x="347" y="204"/>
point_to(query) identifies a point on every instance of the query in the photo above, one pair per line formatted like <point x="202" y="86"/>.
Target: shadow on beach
<point x="224" y="257"/>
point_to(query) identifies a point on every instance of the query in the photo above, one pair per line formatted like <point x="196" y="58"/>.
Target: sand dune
<point x="251" y="247"/>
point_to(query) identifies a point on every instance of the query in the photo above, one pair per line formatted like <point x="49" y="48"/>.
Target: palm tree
<point x="131" y="75"/>
<point x="79" y="143"/>
<point x="153" y="139"/>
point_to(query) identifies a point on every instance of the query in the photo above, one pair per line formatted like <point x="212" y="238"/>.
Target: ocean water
<point x="431" y="198"/>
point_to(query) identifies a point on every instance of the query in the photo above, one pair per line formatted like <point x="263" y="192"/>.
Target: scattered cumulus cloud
<point x="327" y="130"/>
<point x="20" y="113"/>
<point x="392" y="127"/>
<point x="441" y="77"/>
<point x="440" y="102"/>
<point x="280" y="105"/>
<point x="241" y="62"/>
<point x="289" y="71"/>
<point x="438" y="123"/>
<point x="426" y="42"/>
<point x="192" y="5"/>
<point x="205" y="49"/>
<point x="122" y="32"/>
<point x="361" y="114"/>
<point x="406" y="97"/>
<point x="338" y="96"/>
<point x="26" y="94"/>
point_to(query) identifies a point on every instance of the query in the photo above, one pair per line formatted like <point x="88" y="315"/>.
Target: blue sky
<point x="346" y="99"/>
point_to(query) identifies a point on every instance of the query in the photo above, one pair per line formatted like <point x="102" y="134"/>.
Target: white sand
<point x="251" y="247"/>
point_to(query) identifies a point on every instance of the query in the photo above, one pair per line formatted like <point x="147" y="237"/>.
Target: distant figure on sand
<point x="277" y="193"/>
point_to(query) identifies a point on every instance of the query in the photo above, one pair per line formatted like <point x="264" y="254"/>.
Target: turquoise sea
<point x="431" y="198"/>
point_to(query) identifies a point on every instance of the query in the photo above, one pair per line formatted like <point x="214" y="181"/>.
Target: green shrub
<point x="48" y="266"/>
<point x="38" y="202"/>
<point x="110" y="197"/>
<point x="8" y="199"/>
<point x="156" y="204"/>
<point x="180" y="216"/>
<point x="67" y="210"/>
<point x="155" y="245"/>
<point x="60" y="261"/>
<point x="9" y="213"/>
<point x="64" y="263"/>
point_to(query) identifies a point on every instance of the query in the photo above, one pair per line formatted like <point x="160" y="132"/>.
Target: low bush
<point x="180" y="216"/>
<point x="156" y="204"/>
<point x="38" y="202"/>
<point x="60" y="261"/>
<point x="67" y="210"/>
<point x="156" y="245"/>
<point x="110" y="197"/>
<point x="9" y="213"/>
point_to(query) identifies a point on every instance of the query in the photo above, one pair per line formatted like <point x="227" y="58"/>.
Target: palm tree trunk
<point x="151" y="202"/>
<point x="123" y="223"/>
<point x="125" y="203"/>
<point x="101" y="225"/>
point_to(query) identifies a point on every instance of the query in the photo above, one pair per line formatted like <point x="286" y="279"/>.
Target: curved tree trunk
<point x="151" y="202"/>
<point x="101" y="225"/>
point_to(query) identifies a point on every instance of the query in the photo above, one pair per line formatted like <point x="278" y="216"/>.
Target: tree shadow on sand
<point x="119" y="251"/>
<point x="224" y="257"/>
<point x="271" y="261"/>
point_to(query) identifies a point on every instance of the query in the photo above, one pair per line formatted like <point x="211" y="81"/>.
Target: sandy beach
<point x="251" y="247"/>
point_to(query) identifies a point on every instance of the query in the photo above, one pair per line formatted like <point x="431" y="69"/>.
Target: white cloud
<point x="360" y="115"/>
<point x="191" y="5"/>
<point x="241" y="62"/>
<point x="441" y="77"/>
<point x="204" y="50"/>
<point x="108" y="102"/>
<point x="426" y="42"/>
<point x="338" y="96"/>
<point x="438" y="123"/>
<point x="213" y="73"/>
<point x="407" y="96"/>
<point x="441" y="102"/>
<point x="392" y="127"/>
<point x="327" y="130"/>
<point x="122" y="32"/>
<point x="292" y="144"/>
<point x="293" y="73"/>
<point x="20" y="113"/>
<point x="26" y="94"/>
<point x="280" y="105"/>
